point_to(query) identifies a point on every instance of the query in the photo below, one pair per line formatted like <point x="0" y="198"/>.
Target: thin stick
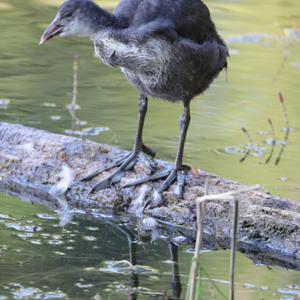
<point x="228" y="195"/>
<point x="201" y="203"/>
<point x="75" y="80"/>
<point x="282" y="64"/>
<point x="233" y="248"/>
<point x="285" y="58"/>
<point x="287" y="126"/>
<point x="196" y="259"/>
<point x="273" y="141"/>
<point x="251" y="144"/>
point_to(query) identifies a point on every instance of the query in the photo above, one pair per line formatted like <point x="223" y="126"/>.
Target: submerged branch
<point x="287" y="129"/>
<point x="251" y="144"/>
<point x="273" y="141"/>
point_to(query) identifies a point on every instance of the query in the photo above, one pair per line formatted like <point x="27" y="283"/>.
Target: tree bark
<point x="46" y="168"/>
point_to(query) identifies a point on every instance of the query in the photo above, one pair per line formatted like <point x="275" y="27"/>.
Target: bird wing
<point x="185" y="18"/>
<point x="126" y="10"/>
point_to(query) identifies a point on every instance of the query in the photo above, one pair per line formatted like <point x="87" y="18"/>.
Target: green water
<point x="265" y="59"/>
<point x="76" y="262"/>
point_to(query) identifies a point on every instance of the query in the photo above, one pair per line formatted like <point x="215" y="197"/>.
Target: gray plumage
<point x="167" y="49"/>
<point x="175" y="71"/>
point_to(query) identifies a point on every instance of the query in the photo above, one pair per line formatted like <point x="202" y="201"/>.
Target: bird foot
<point x="170" y="176"/>
<point x="157" y="198"/>
<point x="124" y="163"/>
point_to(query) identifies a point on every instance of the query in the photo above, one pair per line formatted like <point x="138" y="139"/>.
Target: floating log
<point x="46" y="168"/>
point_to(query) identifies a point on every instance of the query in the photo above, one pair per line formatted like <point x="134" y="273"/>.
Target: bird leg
<point x="176" y="173"/>
<point x="176" y="284"/>
<point x="126" y="162"/>
<point x="172" y="174"/>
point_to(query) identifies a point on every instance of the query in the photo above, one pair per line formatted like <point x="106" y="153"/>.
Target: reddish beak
<point x="51" y="32"/>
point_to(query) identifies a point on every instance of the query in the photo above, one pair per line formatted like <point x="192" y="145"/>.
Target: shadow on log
<point x="46" y="168"/>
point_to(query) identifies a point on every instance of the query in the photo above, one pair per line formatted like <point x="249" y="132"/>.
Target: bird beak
<point x="51" y="32"/>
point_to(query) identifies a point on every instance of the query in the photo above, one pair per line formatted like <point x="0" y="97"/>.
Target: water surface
<point x="36" y="87"/>
<point x="32" y="76"/>
<point x="39" y="259"/>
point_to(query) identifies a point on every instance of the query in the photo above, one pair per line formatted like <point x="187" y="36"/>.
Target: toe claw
<point x="105" y="184"/>
<point x="157" y="198"/>
<point x="106" y="167"/>
<point x="91" y="176"/>
<point x="180" y="184"/>
<point x="170" y="179"/>
<point x="130" y="165"/>
<point x="154" y="177"/>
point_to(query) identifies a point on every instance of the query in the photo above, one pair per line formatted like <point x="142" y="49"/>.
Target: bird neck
<point x="100" y="19"/>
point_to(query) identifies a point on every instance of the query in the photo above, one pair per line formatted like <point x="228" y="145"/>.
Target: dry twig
<point x="196" y="259"/>
<point x="228" y="196"/>
<point x="233" y="247"/>
<point x="251" y="143"/>
<point x="273" y="141"/>
<point x="287" y="128"/>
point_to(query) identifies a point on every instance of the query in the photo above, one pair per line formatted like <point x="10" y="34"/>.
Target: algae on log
<point x="39" y="166"/>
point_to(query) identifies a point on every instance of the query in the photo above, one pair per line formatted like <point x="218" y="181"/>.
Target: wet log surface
<point x="39" y="166"/>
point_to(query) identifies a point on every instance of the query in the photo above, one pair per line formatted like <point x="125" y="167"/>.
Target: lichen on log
<point x="41" y="166"/>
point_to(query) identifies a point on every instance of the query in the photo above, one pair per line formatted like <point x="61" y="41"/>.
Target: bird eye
<point x="67" y="15"/>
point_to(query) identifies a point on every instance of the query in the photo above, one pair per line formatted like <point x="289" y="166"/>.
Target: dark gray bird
<point x="167" y="49"/>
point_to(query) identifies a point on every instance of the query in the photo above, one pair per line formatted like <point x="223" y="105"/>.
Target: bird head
<point x="73" y="18"/>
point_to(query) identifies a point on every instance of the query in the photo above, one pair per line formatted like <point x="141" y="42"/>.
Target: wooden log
<point x="46" y="168"/>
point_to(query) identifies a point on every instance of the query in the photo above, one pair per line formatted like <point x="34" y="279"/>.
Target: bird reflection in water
<point x="73" y="106"/>
<point x="134" y="280"/>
